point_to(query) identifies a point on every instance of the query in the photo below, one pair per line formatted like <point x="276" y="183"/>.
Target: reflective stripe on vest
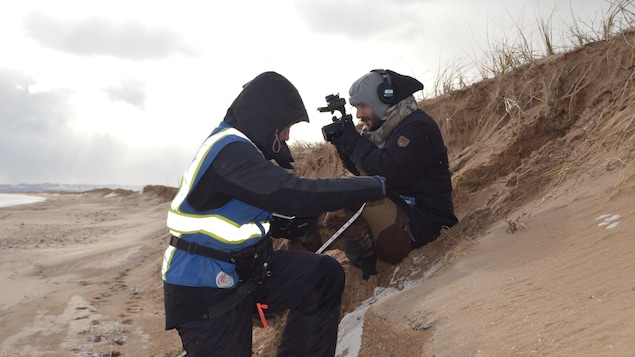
<point x="213" y="225"/>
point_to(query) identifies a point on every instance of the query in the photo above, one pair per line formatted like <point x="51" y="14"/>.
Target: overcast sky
<point x="123" y="92"/>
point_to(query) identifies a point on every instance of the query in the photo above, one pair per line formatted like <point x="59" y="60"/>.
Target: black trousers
<point x="307" y="284"/>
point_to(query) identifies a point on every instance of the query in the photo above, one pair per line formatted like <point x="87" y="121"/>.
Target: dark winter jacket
<point x="414" y="161"/>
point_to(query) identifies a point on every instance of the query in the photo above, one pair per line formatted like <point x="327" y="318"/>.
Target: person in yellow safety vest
<point x="220" y="263"/>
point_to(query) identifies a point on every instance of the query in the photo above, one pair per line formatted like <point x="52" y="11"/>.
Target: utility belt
<point x="252" y="263"/>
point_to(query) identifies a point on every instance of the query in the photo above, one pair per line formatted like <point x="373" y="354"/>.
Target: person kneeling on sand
<point x="402" y="143"/>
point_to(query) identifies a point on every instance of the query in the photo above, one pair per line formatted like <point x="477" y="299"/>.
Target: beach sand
<point x="81" y="275"/>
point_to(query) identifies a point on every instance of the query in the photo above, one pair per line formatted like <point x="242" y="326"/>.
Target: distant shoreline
<point x="14" y="199"/>
<point x="56" y="187"/>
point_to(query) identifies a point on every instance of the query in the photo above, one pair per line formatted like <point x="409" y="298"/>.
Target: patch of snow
<point x="608" y="220"/>
<point x="349" y="337"/>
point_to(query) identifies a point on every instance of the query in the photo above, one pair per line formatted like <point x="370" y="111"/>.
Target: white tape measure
<point x="341" y="230"/>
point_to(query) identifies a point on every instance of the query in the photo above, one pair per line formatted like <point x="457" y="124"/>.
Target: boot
<point x="361" y="254"/>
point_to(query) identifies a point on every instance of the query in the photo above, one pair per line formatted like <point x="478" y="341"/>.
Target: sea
<point x="7" y="199"/>
<point x="11" y="195"/>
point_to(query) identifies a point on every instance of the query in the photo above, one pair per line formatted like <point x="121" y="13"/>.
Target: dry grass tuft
<point x="316" y="160"/>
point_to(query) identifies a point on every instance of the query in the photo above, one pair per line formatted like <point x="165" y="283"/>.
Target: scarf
<point x="394" y="116"/>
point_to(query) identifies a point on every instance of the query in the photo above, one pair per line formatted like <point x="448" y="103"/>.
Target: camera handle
<point x="335" y="103"/>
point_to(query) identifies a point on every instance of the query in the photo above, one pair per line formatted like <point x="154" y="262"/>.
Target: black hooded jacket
<point x="267" y="105"/>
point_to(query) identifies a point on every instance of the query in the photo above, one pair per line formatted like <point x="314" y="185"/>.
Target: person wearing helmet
<point x="220" y="264"/>
<point x="402" y="143"/>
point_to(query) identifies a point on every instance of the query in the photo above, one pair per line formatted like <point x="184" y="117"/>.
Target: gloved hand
<point x="348" y="140"/>
<point x="381" y="180"/>
<point x="333" y="132"/>
<point x="336" y="131"/>
<point x="336" y="141"/>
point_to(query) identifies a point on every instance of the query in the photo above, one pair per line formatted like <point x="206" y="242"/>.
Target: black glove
<point x="347" y="162"/>
<point x="334" y="132"/>
<point x="291" y="228"/>
<point x="348" y="140"/>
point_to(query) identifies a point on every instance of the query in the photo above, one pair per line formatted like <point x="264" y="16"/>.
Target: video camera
<point x="334" y="130"/>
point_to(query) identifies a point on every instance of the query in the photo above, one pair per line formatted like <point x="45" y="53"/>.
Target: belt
<point x="194" y="248"/>
<point x="229" y="257"/>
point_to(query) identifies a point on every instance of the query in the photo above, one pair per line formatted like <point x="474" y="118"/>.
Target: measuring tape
<point x="341" y="230"/>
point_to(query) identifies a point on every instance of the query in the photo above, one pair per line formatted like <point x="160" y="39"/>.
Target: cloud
<point x="38" y="144"/>
<point x="129" y="91"/>
<point x="68" y="157"/>
<point x="361" y="20"/>
<point x="96" y="159"/>
<point x="128" y="39"/>
<point x="25" y="110"/>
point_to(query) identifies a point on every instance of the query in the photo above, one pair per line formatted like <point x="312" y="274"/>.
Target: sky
<point x="124" y="92"/>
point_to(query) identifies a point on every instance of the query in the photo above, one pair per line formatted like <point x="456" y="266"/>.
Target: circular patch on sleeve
<point x="224" y="280"/>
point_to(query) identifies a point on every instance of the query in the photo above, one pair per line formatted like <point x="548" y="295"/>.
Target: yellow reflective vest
<point x="231" y="227"/>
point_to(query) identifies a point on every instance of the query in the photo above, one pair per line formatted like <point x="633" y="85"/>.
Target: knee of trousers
<point x="393" y="244"/>
<point x="328" y="279"/>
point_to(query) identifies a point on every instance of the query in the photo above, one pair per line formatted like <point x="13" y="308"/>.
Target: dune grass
<point x="503" y="55"/>
<point x="519" y="55"/>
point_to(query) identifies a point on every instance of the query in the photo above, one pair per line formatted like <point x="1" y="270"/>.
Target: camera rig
<point x="334" y="130"/>
<point x="335" y="103"/>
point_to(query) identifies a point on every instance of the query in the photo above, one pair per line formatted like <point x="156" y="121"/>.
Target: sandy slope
<point x="541" y="263"/>
<point x="561" y="285"/>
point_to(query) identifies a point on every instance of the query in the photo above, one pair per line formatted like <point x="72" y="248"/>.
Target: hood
<point x="268" y="104"/>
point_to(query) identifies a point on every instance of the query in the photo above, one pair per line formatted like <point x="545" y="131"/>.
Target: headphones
<point x="385" y="90"/>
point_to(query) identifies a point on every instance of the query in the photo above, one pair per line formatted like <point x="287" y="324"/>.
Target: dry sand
<point x="81" y="276"/>
<point x="541" y="263"/>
